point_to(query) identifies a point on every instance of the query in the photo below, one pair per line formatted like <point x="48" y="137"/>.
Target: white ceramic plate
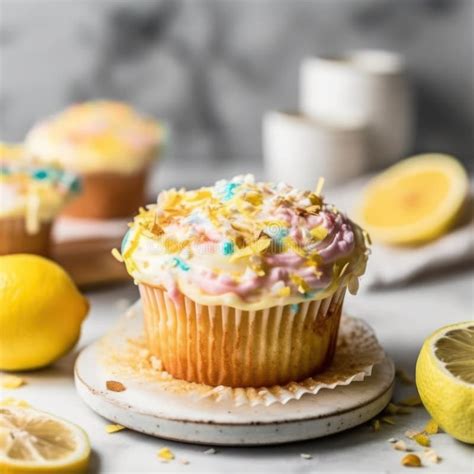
<point x="148" y="408"/>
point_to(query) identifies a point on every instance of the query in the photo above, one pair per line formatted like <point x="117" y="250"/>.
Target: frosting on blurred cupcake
<point x="245" y="244"/>
<point x="11" y="152"/>
<point x="34" y="193"/>
<point x="96" y="136"/>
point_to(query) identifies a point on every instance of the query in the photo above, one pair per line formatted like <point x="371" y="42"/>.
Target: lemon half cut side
<point x="445" y="379"/>
<point x="414" y="201"/>
<point x="34" y="441"/>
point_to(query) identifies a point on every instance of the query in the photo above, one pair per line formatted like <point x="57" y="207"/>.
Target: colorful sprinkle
<point x="319" y="186"/>
<point x="285" y="291"/>
<point x="40" y="174"/>
<point x="117" y="255"/>
<point x="125" y="240"/>
<point x="300" y="283"/>
<point x="295" y="308"/>
<point x="177" y="262"/>
<point x="229" y="191"/>
<point x="71" y="182"/>
<point x="275" y="239"/>
<point x="276" y="232"/>
<point x="228" y="247"/>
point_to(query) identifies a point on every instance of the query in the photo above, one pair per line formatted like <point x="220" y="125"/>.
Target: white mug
<point x="367" y="85"/>
<point x="299" y="150"/>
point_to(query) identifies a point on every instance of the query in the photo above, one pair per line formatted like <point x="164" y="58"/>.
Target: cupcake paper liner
<point x="357" y="352"/>
<point x="221" y="345"/>
<point x="109" y="195"/>
<point x="14" y="237"/>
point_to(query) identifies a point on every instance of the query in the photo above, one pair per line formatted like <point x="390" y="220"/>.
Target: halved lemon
<point x="414" y="201"/>
<point x="34" y="441"/>
<point x="445" y="379"/>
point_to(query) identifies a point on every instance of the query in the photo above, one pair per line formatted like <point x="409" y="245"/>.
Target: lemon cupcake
<point x="242" y="283"/>
<point x="110" y="145"/>
<point x="30" y="199"/>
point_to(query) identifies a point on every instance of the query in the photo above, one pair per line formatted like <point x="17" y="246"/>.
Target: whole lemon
<point x="41" y="312"/>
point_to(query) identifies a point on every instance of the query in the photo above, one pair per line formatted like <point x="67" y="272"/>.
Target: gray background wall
<point x="212" y="67"/>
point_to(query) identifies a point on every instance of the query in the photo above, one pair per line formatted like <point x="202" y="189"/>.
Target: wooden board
<point x="90" y="262"/>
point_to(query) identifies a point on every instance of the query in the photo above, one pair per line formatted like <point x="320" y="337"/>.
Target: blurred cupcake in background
<point x="243" y="282"/>
<point x="30" y="199"/>
<point x="110" y="145"/>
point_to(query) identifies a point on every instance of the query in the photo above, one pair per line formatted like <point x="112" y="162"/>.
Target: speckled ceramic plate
<point x="149" y="408"/>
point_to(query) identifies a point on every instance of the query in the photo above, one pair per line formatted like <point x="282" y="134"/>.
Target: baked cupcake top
<point x="245" y="244"/>
<point x="96" y="136"/>
<point x="35" y="193"/>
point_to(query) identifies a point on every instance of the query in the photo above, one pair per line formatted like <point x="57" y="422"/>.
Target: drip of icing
<point x="36" y="194"/>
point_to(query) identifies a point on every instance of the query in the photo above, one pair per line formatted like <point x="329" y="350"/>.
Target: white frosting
<point x="245" y="244"/>
<point x="100" y="136"/>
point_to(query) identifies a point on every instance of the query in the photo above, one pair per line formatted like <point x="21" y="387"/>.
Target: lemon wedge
<point x="34" y="441"/>
<point x="445" y="379"/>
<point x="414" y="201"/>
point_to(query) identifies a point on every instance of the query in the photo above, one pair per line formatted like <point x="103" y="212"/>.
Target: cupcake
<point x="30" y="199"/>
<point x="109" y="145"/>
<point x="243" y="283"/>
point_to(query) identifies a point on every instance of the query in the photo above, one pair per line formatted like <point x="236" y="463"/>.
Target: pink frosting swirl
<point x="253" y="240"/>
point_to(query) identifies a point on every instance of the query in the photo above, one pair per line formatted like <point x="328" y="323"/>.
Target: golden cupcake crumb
<point x="431" y="455"/>
<point x="115" y="386"/>
<point x="400" y="446"/>
<point x="411" y="460"/>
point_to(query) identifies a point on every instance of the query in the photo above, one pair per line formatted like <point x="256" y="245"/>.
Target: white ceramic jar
<point x="299" y="150"/>
<point x="366" y="85"/>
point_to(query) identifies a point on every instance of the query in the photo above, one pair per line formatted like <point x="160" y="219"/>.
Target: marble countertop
<point x="402" y="318"/>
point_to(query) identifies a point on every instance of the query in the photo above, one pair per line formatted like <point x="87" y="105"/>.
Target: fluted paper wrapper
<point x="126" y="356"/>
<point x="220" y="345"/>
<point x="14" y="238"/>
<point x="107" y="195"/>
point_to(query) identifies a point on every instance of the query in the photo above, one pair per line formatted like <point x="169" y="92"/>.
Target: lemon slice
<point x="445" y="379"/>
<point x="34" y="441"/>
<point x="414" y="201"/>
